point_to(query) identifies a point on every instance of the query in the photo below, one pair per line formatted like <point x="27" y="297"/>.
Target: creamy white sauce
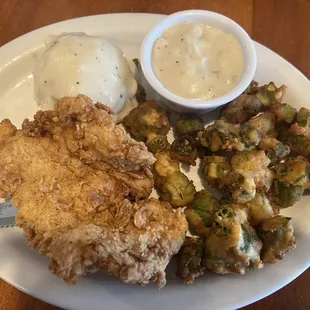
<point x="196" y="61"/>
<point x="75" y="63"/>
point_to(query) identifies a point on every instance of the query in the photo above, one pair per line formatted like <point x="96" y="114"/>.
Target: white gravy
<point x="196" y="61"/>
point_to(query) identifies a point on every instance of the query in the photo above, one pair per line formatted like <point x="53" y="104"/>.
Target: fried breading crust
<point x="77" y="180"/>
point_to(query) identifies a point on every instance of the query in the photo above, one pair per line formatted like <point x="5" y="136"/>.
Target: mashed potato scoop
<point x="76" y="63"/>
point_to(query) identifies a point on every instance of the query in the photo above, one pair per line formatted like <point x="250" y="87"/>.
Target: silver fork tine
<point x="7" y="226"/>
<point x="7" y="214"/>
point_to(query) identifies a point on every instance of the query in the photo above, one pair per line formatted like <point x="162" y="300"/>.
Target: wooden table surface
<point x="282" y="25"/>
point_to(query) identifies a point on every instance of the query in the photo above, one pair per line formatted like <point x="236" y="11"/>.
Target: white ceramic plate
<point x="27" y="270"/>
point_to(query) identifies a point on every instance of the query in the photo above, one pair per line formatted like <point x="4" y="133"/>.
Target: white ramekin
<point x="212" y="19"/>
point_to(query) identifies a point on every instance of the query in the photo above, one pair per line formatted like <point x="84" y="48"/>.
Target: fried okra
<point x="232" y="249"/>
<point x="200" y="213"/>
<point x="216" y="171"/>
<point x="298" y="141"/>
<point x="303" y="117"/>
<point x="260" y="209"/>
<point x="189" y="260"/>
<point x="291" y="179"/>
<point x="274" y="149"/>
<point x="241" y="176"/>
<point x="255" y="210"/>
<point x="184" y="149"/>
<point x="189" y="125"/>
<point x="283" y="112"/>
<point x="256" y="128"/>
<point x="298" y="136"/>
<point x="269" y="94"/>
<point x="241" y="109"/>
<point x="225" y="216"/>
<point x="227" y="137"/>
<point x="172" y="184"/>
<point x="252" y="167"/>
<point x="277" y="234"/>
<point x="254" y="100"/>
<point x="147" y="118"/>
<point x="252" y="89"/>
<point x="156" y="143"/>
<point x="221" y="136"/>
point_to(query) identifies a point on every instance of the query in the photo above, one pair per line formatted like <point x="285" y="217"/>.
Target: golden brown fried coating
<point x="76" y="177"/>
<point x="241" y="109"/>
<point x="291" y="179"/>
<point x="274" y="149"/>
<point x="270" y="94"/>
<point x="221" y="136"/>
<point x="277" y="234"/>
<point x="147" y="118"/>
<point x="232" y="250"/>
<point x="156" y="143"/>
<point x="217" y="171"/>
<point x="255" y="129"/>
<point x="189" y="260"/>
<point x="241" y="175"/>
<point x="283" y="112"/>
<point x="77" y="125"/>
<point x="298" y="136"/>
<point x="254" y="100"/>
<point x="184" y="149"/>
<point x="255" y="210"/>
<point x="188" y="124"/>
<point x="200" y="213"/>
<point x="252" y="166"/>
<point x="172" y="184"/>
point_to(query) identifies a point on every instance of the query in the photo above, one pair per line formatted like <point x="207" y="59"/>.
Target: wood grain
<point x="282" y="25"/>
